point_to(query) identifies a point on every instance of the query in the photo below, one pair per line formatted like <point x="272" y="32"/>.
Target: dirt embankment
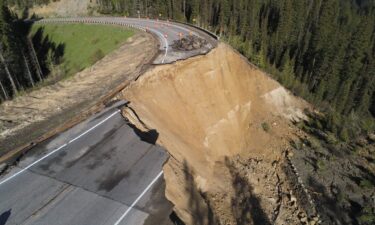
<point x="65" y="8"/>
<point x="33" y="114"/>
<point x="227" y="126"/>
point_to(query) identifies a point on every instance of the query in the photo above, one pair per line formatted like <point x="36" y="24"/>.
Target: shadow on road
<point x="150" y="136"/>
<point x="5" y="216"/>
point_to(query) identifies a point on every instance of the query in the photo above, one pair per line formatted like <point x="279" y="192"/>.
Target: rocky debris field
<point x="340" y="177"/>
<point x="189" y="43"/>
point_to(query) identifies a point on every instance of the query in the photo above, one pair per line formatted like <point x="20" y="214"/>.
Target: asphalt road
<point x="101" y="171"/>
<point x="165" y="31"/>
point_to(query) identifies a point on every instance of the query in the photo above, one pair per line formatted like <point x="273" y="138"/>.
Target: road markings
<point x="139" y="198"/>
<point x="165" y="42"/>
<point x="92" y="128"/>
<point x="58" y="149"/>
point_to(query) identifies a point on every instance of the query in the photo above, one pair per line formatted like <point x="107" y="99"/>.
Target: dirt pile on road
<point x="227" y="126"/>
<point x="188" y="43"/>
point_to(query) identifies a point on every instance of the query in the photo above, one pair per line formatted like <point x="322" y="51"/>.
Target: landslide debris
<point x="189" y="43"/>
<point x="227" y="127"/>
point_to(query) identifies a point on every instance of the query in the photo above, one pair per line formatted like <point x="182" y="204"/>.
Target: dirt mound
<point x="189" y="43"/>
<point x="227" y="126"/>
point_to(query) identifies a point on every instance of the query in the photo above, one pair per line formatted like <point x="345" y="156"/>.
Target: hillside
<point x="60" y="8"/>
<point x="244" y="148"/>
<point x="238" y="155"/>
<point x="227" y="126"/>
<point x="323" y="51"/>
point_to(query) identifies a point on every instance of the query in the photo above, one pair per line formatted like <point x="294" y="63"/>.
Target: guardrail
<point x="210" y="33"/>
<point x="90" y="21"/>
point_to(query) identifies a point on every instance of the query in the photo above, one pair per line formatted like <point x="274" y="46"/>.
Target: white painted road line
<point x="92" y="128"/>
<point x="139" y="198"/>
<point x="57" y="149"/>
<point x="166" y="44"/>
<point x="32" y="164"/>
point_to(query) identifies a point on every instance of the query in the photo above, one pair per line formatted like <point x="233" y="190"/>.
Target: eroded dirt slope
<point x="65" y="8"/>
<point x="227" y="126"/>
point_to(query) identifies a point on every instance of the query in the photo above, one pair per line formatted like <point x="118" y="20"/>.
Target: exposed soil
<point x="228" y="127"/>
<point x="35" y="113"/>
<point x="65" y="8"/>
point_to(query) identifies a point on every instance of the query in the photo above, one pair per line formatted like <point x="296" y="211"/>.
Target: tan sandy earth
<point x="212" y="114"/>
<point x="32" y="114"/>
<point x="64" y="8"/>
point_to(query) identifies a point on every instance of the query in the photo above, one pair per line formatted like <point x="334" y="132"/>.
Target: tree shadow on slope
<point x="246" y="206"/>
<point x="29" y="58"/>
<point x="48" y="52"/>
<point x="200" y="208"/>
<point x="328" y="205"/>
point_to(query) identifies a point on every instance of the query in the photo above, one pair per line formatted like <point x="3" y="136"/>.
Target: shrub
<point x="98" y="55"/>
<point x="266" y="127"/>
<point x="321" y="165"/>
<point x="296" y="144"/>
<point x="344" y="134"/>
<point x="331" y="139"/>
<point x="366" y="184"/>
<point x="367" y="216"/>
<point x="94" y="41"/>
<point x="314" y="143"/>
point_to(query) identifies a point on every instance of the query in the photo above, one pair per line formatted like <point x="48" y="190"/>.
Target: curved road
<point x="103" y="170"/>
<point x="167" y="33"/>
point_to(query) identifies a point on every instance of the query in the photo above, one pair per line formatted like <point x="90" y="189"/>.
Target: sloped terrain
<point x="227" y="126"/>
<point x="65" y="8"/>
<point x="35" y="113"/>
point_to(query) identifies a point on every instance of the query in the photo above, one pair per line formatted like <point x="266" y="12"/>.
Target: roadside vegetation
<point x="323" y="51"/>
<point x="340" y="164"/>
<point x="32" y="56"/>
<point x="83" y="44"/>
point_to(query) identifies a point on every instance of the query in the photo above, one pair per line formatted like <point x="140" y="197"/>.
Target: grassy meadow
<point x="84" y="44"/>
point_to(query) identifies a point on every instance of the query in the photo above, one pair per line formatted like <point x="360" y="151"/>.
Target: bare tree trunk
<point x="8" y="73"/>
<point x="28" y="69"/>
<point x="4" y="92"/>
<point x="185" y="9"/>
<point x="35" y="59"/>
<point x="146" y="8"/>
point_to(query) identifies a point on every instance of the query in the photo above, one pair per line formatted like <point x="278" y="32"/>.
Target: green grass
<point x="84" y="44"/>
